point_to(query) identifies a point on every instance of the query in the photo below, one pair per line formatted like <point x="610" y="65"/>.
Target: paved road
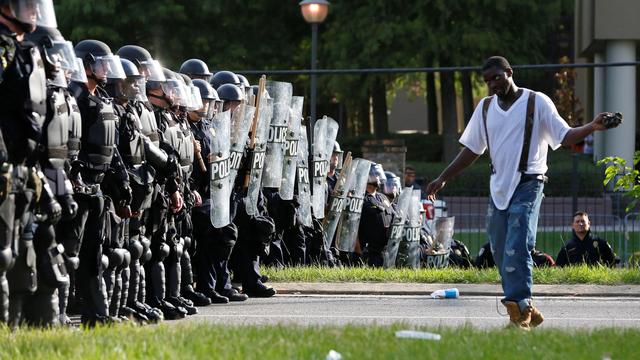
<point x="479" y="311"/>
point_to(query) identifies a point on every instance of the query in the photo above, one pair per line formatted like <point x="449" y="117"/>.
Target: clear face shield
<point x="152" y="71"/>
<point x="207" y="111"/>
<point x="34" y="12"/>
<point x="133" y="89"/>
<point x="196" y="100"/>
<point x="78" y="74"/>
<point x="176" y="92"/>
<point x="57" y="75"/>
<point x="63" y="51"/>
<point x="107" y="67"/>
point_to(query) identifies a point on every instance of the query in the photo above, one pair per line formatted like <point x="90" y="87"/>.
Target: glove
<point x="69" y="206"/>
<point x="50" y="209"/>
<point x="125" y="194"/>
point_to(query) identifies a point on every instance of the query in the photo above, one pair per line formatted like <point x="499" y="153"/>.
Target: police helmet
<point x="376" y="175"/>
<point x="230" y="92"/>
<point x="206" y="90"/>
<point x="196" y="68"/>
<point x="224" y="77"/>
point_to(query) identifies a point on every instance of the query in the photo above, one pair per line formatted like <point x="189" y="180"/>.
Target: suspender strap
<point x="485" y="109"/>
<point x="528" y="127"/>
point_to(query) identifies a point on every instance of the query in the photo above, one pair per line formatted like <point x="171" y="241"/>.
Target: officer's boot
<point x="518" y="319"/>
<point x="173" y="287"/>
<point x="187" y="291"/>
<point x="536" y="317"/>
<point x="156" y="293"/>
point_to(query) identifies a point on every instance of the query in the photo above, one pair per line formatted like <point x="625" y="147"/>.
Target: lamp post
<point x="314" y="12"/>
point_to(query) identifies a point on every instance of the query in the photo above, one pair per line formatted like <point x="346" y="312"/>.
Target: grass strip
<point x="208" y="341"/>
<point x="568" y="275"/>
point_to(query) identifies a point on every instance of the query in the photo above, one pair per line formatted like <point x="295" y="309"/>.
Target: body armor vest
<point x="37" y="86"/>
<point x="148" y="123"/>
<point x="101" y="134"/>
<point x="75" y="127"/>
<point x="131" y="146"/>
<point x="57" y="129"/>
<point x="186" y="150"/>
<point x="178" y="136"/>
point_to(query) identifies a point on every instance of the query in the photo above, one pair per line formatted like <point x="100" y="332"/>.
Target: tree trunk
<point x="467" y="96"/>
<point x="363" y="127"/>
<point x="380" y="120"/>
<point x="432" y="104"/>
<point x="449" y="116"/>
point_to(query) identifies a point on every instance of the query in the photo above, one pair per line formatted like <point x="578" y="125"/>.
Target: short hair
<point x="496" y="61"/>
<point x="579" y="213"/>
<point x="409" y="168"/>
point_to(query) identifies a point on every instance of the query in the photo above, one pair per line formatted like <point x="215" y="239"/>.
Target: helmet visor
<point x="108" y="66"/>
<point x="64" y="52"/>
<point x="34" y="12"/>
<point x="196" y="99"/>
<point x="152" y="70"/>
<point x="59" y="80"/>
<point x="177" y="92"/>
<point x="79" y="75"/>
<point x="134" y="88"/>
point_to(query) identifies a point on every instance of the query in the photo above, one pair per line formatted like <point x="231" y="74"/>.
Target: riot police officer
<point x="22" y="111"/>
<point x="98" y="155"/>
<point x="214" y="245"/>
<point x="377" y="213"/>
<point x="59" y="58"/>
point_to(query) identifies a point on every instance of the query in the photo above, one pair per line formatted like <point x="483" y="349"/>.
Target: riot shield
<point x="240" y="123"/>
<point x="304" y="187"/>
<point x="258" y="156"/>
<point x="219" y="185"/>
<point x="337" y="200"/>
<point x="409" y="247"/>
<point x="437" y="253"/>
<point x="291" y="149"/>
<point x="324" y="135"/>
<point x="350" y="220"/>
<point x="397" y="228"/>
<point x="281" y="93"/>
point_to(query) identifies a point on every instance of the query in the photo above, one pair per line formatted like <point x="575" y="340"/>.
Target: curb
<point x="604" y="291"/>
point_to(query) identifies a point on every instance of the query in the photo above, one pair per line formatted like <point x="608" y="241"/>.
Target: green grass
<point x="205" y="341"/>
<point x="569" y="275"/>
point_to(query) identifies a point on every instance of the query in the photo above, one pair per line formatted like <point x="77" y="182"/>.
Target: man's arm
<point x="576" y="135"/>
<point x="465" y="158"/>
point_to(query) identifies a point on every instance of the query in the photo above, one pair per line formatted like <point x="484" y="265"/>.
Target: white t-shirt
<point x="506" y="134"/>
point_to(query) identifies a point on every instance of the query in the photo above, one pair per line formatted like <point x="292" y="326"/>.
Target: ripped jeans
<point x="512" y="235"/>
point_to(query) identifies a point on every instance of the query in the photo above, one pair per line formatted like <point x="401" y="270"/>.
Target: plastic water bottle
<point x="412" y="334"/>
<point x="452" y="293"/>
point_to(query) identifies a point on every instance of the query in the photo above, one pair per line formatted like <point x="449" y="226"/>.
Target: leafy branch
<point x="626" y="178"/>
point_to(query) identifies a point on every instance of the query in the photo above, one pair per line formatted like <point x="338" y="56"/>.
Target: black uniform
<point x="592" y="250"/>
<point x="213" y="246"/>
<point x="373" y="234"/>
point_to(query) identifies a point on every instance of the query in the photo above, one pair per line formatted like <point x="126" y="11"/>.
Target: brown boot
<point x="517" y="319"/>
<point x="536" y="317"/>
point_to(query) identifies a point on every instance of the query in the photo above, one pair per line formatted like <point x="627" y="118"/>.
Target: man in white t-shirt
<point x="517" y="178"/>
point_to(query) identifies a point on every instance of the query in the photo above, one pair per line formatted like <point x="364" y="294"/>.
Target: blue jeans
<point x="512" y="235"/>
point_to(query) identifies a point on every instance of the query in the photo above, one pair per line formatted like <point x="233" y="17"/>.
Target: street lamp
<point x="314" y="12"/>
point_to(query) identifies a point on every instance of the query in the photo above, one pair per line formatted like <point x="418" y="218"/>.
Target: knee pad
<point x="187" y="242"/>
<point x="136" y="249"/>
<point x="179" y="249"/>
<point x="163" y="251"/>
<point x="72" y="262"/>
<point x="104" y="262"/>
<point x="126" y="261"/>
<point x="6" y="257"/>
<point x="116" y="258"/>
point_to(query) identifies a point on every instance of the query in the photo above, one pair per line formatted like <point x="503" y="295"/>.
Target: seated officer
<point x="585" y="247"/>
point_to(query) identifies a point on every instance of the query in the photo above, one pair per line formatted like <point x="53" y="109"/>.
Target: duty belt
<point x="528" y="177"/>
<point x="86" y="189"/>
